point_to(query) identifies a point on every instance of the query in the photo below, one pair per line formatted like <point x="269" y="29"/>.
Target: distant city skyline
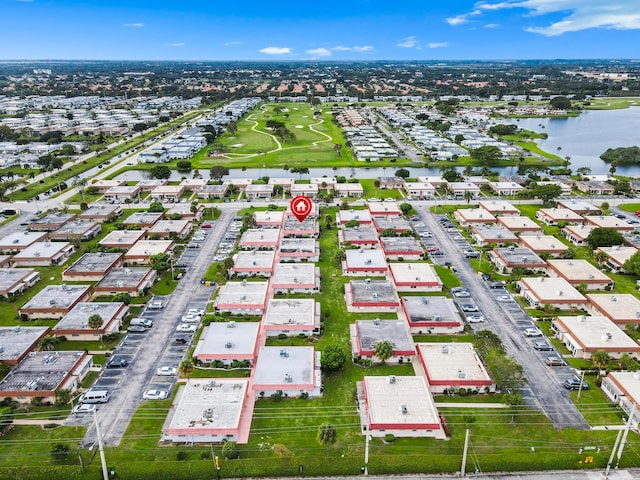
<point x="328" y="30"/>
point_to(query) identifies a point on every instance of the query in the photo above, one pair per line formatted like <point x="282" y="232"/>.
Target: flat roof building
<point x="260" y="238"/>
<point x="228" y="341"/>
<point x="143" y="249"/>
<point x="364" y="262"/>
<point x="242" y="298"/>
<point x="551" y="216"/>
<point x="623" y="388"/>
<point x="364" y="236"/>
<point x="579" y="206"/>
<point x="344" y="190"/>
<point x="14" y="281"/>
<point x="469" y="216"/>
<point x="51" y="222"/>
<point x="142" y="219"/>
<point x="431" y="315"/>
<point x="292" y="316"/>
<point x="556" y="292"/>
<point x="124" y="239"/>
<point x="253" y="262"/>
<point x="170" y="228"/>
<point x="54" y="301"/>
<point x="16" y="241"/>
<point x="384" y="208"/>
<point x="17" y="342"/>
<point x="518" y="224"/>
<point x="91" y="267"/>
<point x="210" y="411"/>
<point x="43" y="254"/>
<point x="506" y="259"/>
<point x="486" y="234"/>
<point x="406" y="248"/>
<point x="450" y="367"/>
<point x="371" y="296"/>
<point x="269" y="218"/>
<point x="292" y="370"/>
<point x="295" y="278"/>
<point x="499" y="207"/>
<point x="415" y="277"/>
<point x="292" y="227"/>
<point x="131" y="280"/>
<point x="579" y="272"/>
<point x="609" y="221"/>
<point x="397" y="223"/>
<point x="577" y="234"/>
<point x="399" y="406"/>
<point x="543" y="244"/>
<point x="298" y="250"/>
<point x="43" y="374"/>
<point x="620" y="308"/>
<point x="74" y="325"/>
<point x="617" y="256"/>
<point x="360" y="216"/>
<point x="584" y="336"/>
<point x="100" y="213"/>
<point x="366" y="334"/>
<point x="82" y="231"/>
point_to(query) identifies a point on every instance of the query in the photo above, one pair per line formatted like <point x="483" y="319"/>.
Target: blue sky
<point x="325" y="30"/>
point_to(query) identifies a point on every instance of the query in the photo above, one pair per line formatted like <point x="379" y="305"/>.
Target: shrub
<point x="181" y="456"/>
<point x="60" y="452"/>
<point x="230" y="450"/>
<point x="389" y="438"/>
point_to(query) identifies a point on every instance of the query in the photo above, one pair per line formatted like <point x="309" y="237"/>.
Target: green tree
<point x="47" y="343"/>
<point x="80" y="183"/>
<point x="159" y="261"/>
<point x="560" y="103"/>
<point x="487" y="154"/>
<point x="327" y="435"/>
<point x="186" y="368"/>
<point x="248" y="220"/>
<point x="583" y="171"/>
<point x="63" y="396"/>
<point x="338" y="149"/>
<point x="217" y="172"/>
<point x="405" y="208"/>
<point x="160" y="171"/>
<point x="156" y="207"/>
<point x="600" y="359"/>
<point x="402" y="173"/>
<point x="485" y="341"/>
<point x="505" y="371"/>
<point x="387" y="232"/>
<point x="94" y="322"/>
<point x="230" y="451"/>
<point x="123" y="297"/>
<point x="60" y="452"/>
<point x="469" y="195"/>
<point x="503" y="129"/>
<point x="184" y="166"/>
<point x="333" y="358"/>
<point x="383" y="350"/>
<point x="352" y="224"/>
<point x="515" y="401"/>
<point x="546" y="193"/>
<point x="604" y="237"/>
<point x="632" y="265"/>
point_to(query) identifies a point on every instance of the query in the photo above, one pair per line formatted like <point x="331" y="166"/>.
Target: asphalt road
<point x="544" y="389"/>
<point x="153" y="349"/>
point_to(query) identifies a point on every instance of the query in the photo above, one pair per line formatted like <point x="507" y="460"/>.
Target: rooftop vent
<point x="228" y="345"/>
<point x="231" y="324"/>
<point x="288" y="378"/>
<point x="606" y="336"/>
<point x="403" y="409"/>
<point x="445" y="349"/>
<point x="284" y="353"/>
<point x="391" y="379"/>
<point x="462" y="374"/>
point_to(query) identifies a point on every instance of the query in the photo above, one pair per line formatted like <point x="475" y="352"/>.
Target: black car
<point x="181" y="341"/>
<point x="117" y="363"/>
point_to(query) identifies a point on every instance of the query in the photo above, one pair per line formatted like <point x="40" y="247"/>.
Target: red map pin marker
<point x="301" y="207"/>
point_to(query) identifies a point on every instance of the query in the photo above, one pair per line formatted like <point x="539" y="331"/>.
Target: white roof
<point x="452" y="361"/>
<point x="595" y="333"/>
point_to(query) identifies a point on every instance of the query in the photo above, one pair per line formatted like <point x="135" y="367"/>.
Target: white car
<point x="475" y="318"/>
<point x="186" y="327"/>
<point x="196" y="311"/>
<point x="155" y="395"/>
<point x="167" y="371"/>
<point x="191" y="318"/>
<point x="84" y="408"/>
<point x="532" y="332"/>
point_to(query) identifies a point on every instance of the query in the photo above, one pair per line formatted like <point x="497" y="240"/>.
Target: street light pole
<point x="103" y="461"/>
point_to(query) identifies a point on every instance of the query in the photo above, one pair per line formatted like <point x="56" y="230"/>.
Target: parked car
<point x="155" y="395"/>
<point x="542" y="345"/>
<point x="574" y="383"/>
<point x="117" y="362"/>
<point x="471" y="254"/>
<point x="84" y="408"/>
<point x="181" y="341"/>
<point x="475" y="318"/>
<point x="136" y="329"/>
<point x="555" y="361"/>
<point x="460" y="293"/>
<point x="186" y="327"/>
<point x="532" y="332"/>
<point x="468" y="307"/>
<point x="205" y="225"/>
<point x="167" y="371"/>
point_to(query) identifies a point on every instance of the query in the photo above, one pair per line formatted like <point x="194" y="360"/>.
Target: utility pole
<point x="366" y="454"/>
<point x="623" y="442"/>
<point x="581" y="382"/>
<point x="464" y="454"/>
<point x="613" y="452"/>
<point x="103" y="461"/>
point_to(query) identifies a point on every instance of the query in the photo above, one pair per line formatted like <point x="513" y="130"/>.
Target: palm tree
<point x="383" y="350"/>
<point x="186" y="368"/>
<point x="468" y="196"/>
<point x="600" y="359"/>
<point x="327" y="435"/>
<point x="94" y="322"/>
<point x="80" y="183"/>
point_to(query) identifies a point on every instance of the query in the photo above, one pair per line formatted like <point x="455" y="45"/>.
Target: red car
<point x="205" y="225"/>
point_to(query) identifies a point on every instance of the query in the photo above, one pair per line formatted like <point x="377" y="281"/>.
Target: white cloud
<point x="319" y="52"/>
<point x="275" y="51"/>
<point x="457" y="20"/>
<point x="577" y="15"/>
<point x="438" y="44"/>
<point x="133" y="25"/>
<point x="232" y="43"/>
<point x="408" y="42"/>
<point x="492" y="25"/>
<point x="177" y="44"/>
<point x="356" y="48"/>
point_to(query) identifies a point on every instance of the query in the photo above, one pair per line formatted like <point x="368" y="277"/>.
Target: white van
<point x="143" y="322"/>
<point x="95" y="396"/>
